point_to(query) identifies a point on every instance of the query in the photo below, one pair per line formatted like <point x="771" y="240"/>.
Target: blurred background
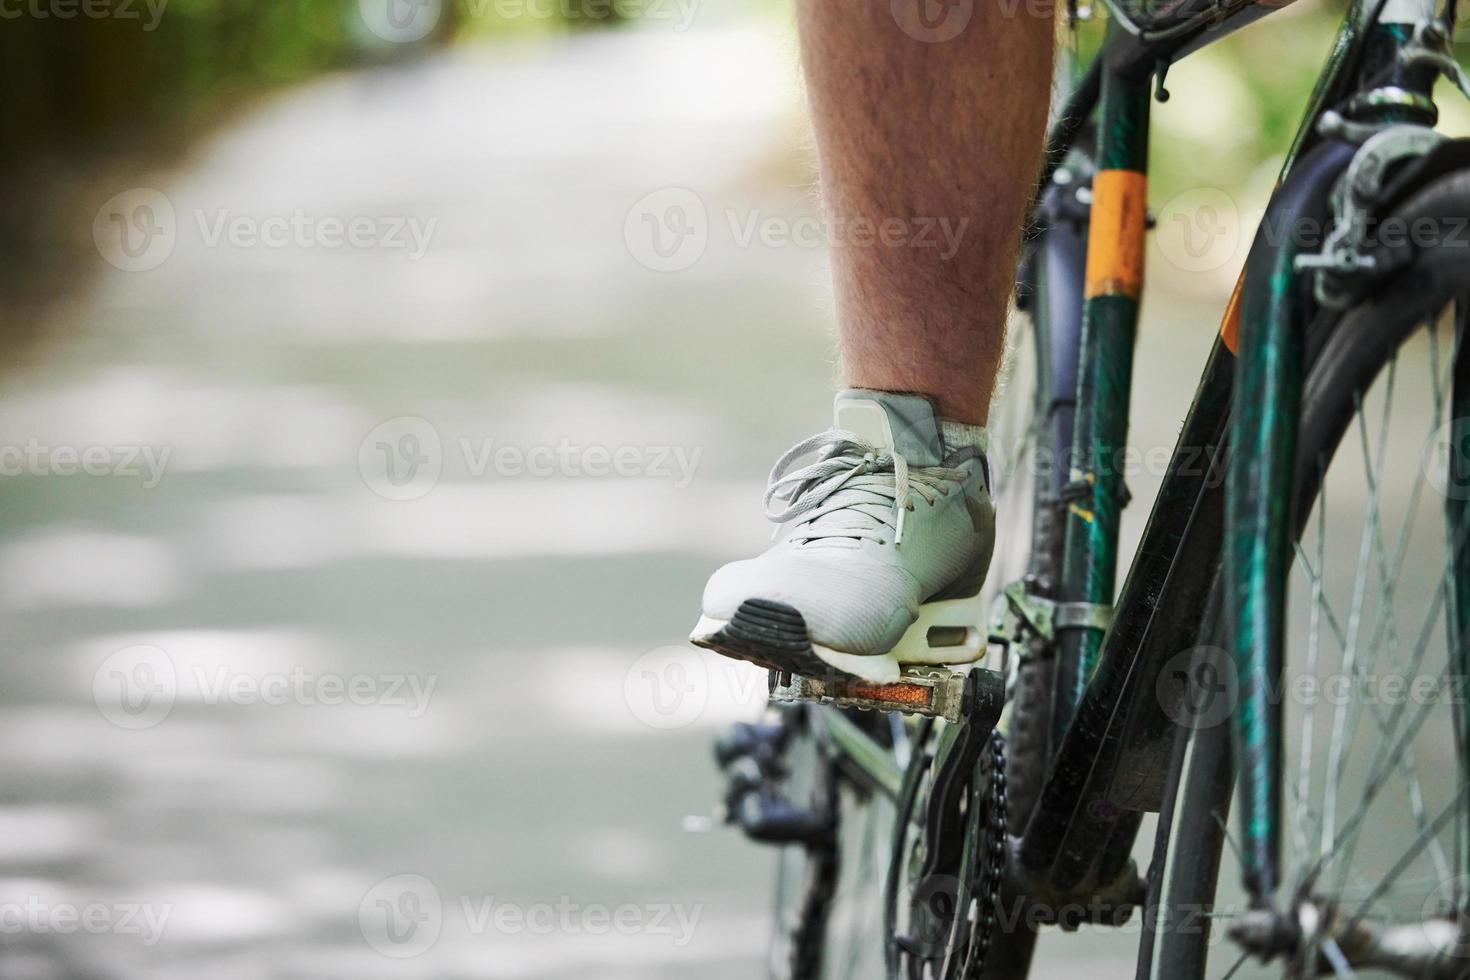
<point x="383" y="380"/>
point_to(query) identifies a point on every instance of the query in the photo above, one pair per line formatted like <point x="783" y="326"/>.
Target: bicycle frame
<point x="1113" y="758"/>
<point x="1114" y="736"/>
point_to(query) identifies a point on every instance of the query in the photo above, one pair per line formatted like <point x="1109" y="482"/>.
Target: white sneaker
<point x="885" y="543"/>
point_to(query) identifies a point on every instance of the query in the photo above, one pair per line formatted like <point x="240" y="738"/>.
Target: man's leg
<point x="929" y="151"/>
<point x="949" y="130"/>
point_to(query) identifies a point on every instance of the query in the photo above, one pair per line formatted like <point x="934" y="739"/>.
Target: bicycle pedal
<point x="955" y="696"/>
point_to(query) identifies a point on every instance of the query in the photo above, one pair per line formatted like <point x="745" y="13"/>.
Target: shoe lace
<point x="853" y="490"/>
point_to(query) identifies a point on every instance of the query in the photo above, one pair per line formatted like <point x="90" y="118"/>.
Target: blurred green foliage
<point x="83" y="77"/>
<point x="81" y="84"/>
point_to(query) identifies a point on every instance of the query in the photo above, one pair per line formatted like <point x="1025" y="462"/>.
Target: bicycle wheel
<point x="1375" y="867"/>
<point x="829" y="911"/>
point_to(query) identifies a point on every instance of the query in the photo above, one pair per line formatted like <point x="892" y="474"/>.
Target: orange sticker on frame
<point x="1119" y="230"/>
<point x="1230" y="328"/>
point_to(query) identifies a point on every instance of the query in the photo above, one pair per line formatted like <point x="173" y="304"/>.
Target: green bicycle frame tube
<point x="1096" y="491"/>
<point x="1257" y="546"/>
<point x="1457" y="522"/>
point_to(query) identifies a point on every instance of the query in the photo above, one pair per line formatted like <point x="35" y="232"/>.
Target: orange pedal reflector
<point x="936" y="692"/>
<point x="897" y="693"/>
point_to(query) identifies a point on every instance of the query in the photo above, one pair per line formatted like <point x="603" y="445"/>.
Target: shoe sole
<point x="774" y="635"/>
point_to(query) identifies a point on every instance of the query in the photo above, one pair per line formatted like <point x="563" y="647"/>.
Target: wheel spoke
<point x="1337" y="747"/>
<point x="1340" y="965"/>
<point x="1239" y="962"/>
<point x="1389" y="579"/>
<point x="1420" y="842"/>
<point x="1314" y="641"/>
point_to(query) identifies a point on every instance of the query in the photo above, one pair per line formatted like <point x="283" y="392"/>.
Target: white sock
<point x="958" y="435"/>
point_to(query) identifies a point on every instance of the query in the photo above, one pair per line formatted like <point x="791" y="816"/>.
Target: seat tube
<point x="1096" y="491"/>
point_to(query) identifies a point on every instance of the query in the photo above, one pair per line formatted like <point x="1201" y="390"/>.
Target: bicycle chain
<point x="809" y="940"/>
<point x="988" y="884"/>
